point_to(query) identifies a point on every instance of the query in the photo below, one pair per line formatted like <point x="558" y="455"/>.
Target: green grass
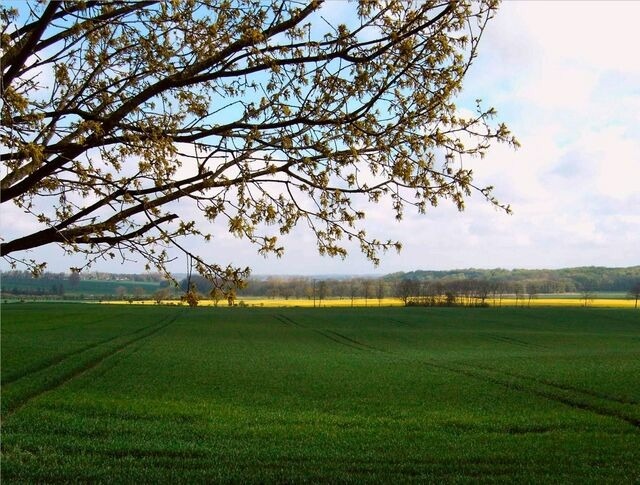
<point x="106" y="394"/>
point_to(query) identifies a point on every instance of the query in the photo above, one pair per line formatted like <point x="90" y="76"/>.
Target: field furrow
<point x="18" y="392"/>
<point x="561" y="386"/>
<point x="46" y="364"/>
<point x="500" y="378"/>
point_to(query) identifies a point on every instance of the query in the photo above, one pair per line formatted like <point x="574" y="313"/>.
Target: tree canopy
<point x="128" y="126"/>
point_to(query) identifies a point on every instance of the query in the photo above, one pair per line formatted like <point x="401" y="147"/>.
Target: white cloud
<point x="595" y="33"/>
<point x="16" y="222"/>
<point x="567" y="81"/>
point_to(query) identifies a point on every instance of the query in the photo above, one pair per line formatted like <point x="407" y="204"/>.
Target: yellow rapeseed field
<point x="279" y="302"/>
<point x="596" y="302"/>
<point x="360" y="302"/>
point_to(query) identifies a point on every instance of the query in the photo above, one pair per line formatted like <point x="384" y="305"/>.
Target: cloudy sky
<point x="565" y="77"/>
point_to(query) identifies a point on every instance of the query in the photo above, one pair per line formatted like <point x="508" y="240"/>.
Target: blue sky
<point x="565" y="77"/>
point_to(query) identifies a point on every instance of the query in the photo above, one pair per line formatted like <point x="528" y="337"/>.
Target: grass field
<point x="157" y="394"/>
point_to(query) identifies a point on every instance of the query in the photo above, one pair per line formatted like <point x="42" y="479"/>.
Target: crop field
<point x="160" y="394"/>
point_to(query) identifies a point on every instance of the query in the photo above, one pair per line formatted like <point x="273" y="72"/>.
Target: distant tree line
<point x="412" y="291"/>
<point x="84" y="276"/>
<point x="75" y="285"/>
<point x="467" y="292"/>
<point x="56" y="289"/>
<point x="565" y="280"/>
<point x="473" y="287"/>
<point x="298" y="287"/>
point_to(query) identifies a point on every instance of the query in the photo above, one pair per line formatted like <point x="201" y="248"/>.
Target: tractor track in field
<point x="338" y="340"/>
<point x="400" y="322"/>
<point x="329" y="334"/>
<point x="288" y="321"/>
<point x="355" y="342"/>
<point x="476" y="373"/>
<point x="550" y="383"/>
<point x="514" y="341"/>
<point x="502" y="379"/>
<point x="59" y="358"/>
<point x="83" y="369"/>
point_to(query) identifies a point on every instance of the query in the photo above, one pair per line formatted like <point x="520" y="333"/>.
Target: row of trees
<point x="23" y="283"/>
<point x="84" y="275"/>
<point x="367" y="288"/>
<point x="55" y="289"/>
<point x="294" y="288"/>
<point x="468" y="292"/>
<point x="477" y="292"/>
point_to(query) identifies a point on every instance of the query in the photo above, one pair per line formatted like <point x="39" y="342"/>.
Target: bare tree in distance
<point x="161" y="294"/>
<point x="120" y="291"/>
<point x="634" y="293"/>
<point x="323" y="291"/>
<point x="353" y="289"/>
<point x="405" y="289"/>
<point x="128" y="126"/>
<point x="519" y="292"/>
<point x="532" y="289"/>
<point x="380" y="290"/>
<point x="74" y="279"/>
<point x="587" y="297"/>
<point x="367" y="288"/>
<point x="139" y="293"/>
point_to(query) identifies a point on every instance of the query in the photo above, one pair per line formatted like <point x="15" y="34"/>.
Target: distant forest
<point x="474" y="283"/>
<point x="566" y="280"/>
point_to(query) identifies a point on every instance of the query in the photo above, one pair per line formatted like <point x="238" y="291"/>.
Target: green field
<point x="113" y="394"/>
<point x="84" y="288"/>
